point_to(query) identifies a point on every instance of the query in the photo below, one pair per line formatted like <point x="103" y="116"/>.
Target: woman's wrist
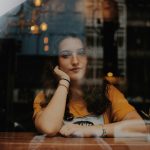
<point x="68" y="80"/>
<point x="101" y="131"/>
<point x="65" y="83"/>
<point x="65" y="80"/>
<point x="104" y="133"/>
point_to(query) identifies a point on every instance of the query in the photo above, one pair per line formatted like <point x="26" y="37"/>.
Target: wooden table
<point x="32" y="141"/>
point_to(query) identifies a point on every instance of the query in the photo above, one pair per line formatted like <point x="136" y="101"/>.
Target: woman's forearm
<point x="50" y="120"/>
<point x="125" y="128"/>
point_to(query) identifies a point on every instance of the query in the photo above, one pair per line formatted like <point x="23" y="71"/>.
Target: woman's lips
<point x="75" y="69"/>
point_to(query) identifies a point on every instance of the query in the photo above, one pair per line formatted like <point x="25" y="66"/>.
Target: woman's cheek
<point x="64" y="69"/>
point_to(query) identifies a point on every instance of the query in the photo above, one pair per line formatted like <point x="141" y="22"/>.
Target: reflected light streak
<point x="7" y="5"/>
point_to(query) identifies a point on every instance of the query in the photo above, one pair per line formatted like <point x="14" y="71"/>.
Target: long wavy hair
<point x="97" y="101"/>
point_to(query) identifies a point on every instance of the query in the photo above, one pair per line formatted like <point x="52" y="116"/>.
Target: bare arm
<point x="49" y="120"/>
<point x="131" y="126"/>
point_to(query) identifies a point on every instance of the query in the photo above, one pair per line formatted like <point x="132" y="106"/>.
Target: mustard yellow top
<point x="118" y="110"/>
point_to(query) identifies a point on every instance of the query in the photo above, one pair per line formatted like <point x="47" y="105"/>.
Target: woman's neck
<point x="76" y="91"/>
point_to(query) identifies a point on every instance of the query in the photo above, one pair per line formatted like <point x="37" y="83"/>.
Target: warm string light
<point x="37" y="3"/>
<point x="35" y="29"/>
<point x="109" y="74"/>
<point x="43" y="26"/>
<point x="46" y="40"/>
<point x="46" y="48"/>
<point x="111" y="78"/>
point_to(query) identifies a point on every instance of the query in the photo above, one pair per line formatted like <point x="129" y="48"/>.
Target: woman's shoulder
<point x="38" y="102"/>
<point x="114" y="93"/>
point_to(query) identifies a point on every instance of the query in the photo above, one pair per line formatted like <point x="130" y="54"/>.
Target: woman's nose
<point x="75" y="60"/>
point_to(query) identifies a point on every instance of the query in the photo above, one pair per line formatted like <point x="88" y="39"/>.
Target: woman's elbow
<point x="48" y="130"/>
<point x="45" y="128"/>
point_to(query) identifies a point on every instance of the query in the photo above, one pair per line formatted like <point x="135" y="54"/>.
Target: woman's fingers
<point x="60" y="73"/>
<point x="66" y="131"/>
<point x="71" y="130"/>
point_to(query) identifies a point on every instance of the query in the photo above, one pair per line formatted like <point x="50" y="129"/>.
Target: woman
<point x="70" y="110"/>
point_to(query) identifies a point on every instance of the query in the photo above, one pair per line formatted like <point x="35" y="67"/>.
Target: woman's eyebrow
<point x="62" y="51"/>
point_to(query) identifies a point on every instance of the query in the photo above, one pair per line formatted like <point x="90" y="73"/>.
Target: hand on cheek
<point x="60" y="73"/>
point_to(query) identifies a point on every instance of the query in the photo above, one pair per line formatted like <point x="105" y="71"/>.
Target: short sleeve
<point x="38" y="103"/>
<point x="120" y="106"/>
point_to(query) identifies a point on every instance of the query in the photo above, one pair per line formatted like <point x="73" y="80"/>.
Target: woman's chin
<point x="76" y="78"/>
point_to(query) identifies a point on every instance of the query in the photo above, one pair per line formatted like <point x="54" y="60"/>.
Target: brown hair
<point x="97" y="102"/>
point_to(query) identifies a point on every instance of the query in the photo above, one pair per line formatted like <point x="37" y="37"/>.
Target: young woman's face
<point x="72" y="58"/>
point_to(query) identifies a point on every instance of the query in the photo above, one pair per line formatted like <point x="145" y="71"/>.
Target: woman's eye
<point x="81" y="52"/>
<point x="65" y="54"/>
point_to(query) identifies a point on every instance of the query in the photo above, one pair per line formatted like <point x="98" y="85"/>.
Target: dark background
<point x="17" y="75"/>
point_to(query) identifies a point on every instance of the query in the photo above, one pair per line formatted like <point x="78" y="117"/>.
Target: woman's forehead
<point x="70" y="43"/>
